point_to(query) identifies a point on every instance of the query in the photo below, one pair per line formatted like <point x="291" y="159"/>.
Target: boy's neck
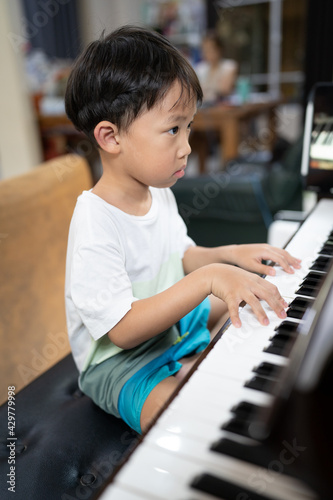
<point x="131" y="198"/>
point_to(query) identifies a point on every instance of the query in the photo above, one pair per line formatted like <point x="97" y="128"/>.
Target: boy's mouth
<point x="180" y="173"/>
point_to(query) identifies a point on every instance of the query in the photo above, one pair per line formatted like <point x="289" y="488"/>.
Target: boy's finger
<point x="234" y="316"/>
<point x="286" y="261"/>
<point x="277" y="303"/>
<point x="258" y="310"/>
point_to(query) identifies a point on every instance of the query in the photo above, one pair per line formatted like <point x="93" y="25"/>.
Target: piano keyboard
<point x="322" y="140"/>
<point x="182" y="456"/>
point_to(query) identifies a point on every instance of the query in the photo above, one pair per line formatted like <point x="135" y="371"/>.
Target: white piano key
<point x="190" y="425"/>
<point x="247" y="342"/>
<point x="115" y="492"/>
<point x="322" y="151"/>
<point x="312" y="233"/>
<point x="287" y="284"/>
<point x="236" y="344"/>
<point x="209" y="413"/>
<point x="228" y="468"/>
<point x="235" y="369"/>
<point x="167" y="476"/>
<point x="204" y="389"/>
<point x="321" y="137"/>
<point x="193" y="426"/>
<point x="166" y="464"/>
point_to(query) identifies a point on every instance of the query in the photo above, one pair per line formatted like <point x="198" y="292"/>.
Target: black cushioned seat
<point x="66" y="447"/>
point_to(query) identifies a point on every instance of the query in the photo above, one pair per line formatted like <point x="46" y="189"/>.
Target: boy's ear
<point x="107" y="136"/>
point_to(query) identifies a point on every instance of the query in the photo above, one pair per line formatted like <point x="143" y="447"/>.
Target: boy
<point x="140" y="296"/>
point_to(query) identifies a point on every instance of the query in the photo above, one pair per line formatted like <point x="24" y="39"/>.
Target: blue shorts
<point x="194" y="337"/>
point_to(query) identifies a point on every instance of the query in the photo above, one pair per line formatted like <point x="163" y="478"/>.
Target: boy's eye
<point x="174" y="130"/>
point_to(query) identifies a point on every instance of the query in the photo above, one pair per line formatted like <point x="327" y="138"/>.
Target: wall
<point x="20" y="148"/>
<point x="19" y="141"/>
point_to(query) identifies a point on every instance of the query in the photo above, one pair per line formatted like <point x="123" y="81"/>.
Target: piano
<point x="252" y="421"/>
<point x="317" y="154"/>
<point x="322" y="141"/>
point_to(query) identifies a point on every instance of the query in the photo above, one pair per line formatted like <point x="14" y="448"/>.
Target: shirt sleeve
<point x="100" y="287"/>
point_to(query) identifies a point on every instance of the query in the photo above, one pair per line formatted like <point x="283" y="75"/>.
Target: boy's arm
<point x="248" y="257"/>
<point x="151" y="316"/>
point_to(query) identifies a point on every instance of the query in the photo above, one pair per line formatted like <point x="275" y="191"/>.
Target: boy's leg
<point x="217" y="317"/>
<point x="163" y="390"/>
<point x="156" y="400"/>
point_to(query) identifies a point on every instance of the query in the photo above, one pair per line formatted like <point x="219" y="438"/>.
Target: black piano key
<point x="312" y="282"/>
<point x="283" y="339"/>
<point x="259" y="383"/>
<point x="308" y="291"/>
<point x="327" y="249"/>
<point x="314" y="275"/>
<point x="295" y="313"/>
<point x="281" y="348"/>
<point x="245" y="410"/>
<point x="288" y="328"/>
<point x="298" y="307"/>
<point x="300" y="303"/>
<point x="272" y="349"/>
<point x="237" y="426"/>
<point x="229" y="447"/>
<point x="221" y="488"/>
<point x="321" y="263"/>
<point x="268" y="370"/>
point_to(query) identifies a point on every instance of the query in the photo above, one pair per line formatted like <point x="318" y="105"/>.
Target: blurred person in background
<point x="217" y="75"/>
<point x="218" y="78"/>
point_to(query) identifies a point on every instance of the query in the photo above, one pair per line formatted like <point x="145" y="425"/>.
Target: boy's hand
<point x="234" y="285"/>
<point x="250" y="257"/>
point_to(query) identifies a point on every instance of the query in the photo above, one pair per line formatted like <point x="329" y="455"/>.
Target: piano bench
<point x="55" y="443"/>
<point x="62" y="446"/>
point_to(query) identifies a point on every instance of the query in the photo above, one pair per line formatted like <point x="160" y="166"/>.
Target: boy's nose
<point x="185" y="149"/>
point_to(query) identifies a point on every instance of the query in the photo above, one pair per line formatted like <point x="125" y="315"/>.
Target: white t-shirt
<point x="114" y="258"/>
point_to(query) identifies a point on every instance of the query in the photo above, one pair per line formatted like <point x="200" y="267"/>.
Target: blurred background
<point x="281" y="47"/>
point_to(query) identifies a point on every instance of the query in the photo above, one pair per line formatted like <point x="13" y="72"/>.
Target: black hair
<point x="122" y="74"/>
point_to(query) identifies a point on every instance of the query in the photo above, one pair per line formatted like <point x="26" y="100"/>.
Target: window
<point x="267" y="38"/>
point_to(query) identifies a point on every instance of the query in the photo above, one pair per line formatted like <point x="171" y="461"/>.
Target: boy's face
<point x="155" y="148"/>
